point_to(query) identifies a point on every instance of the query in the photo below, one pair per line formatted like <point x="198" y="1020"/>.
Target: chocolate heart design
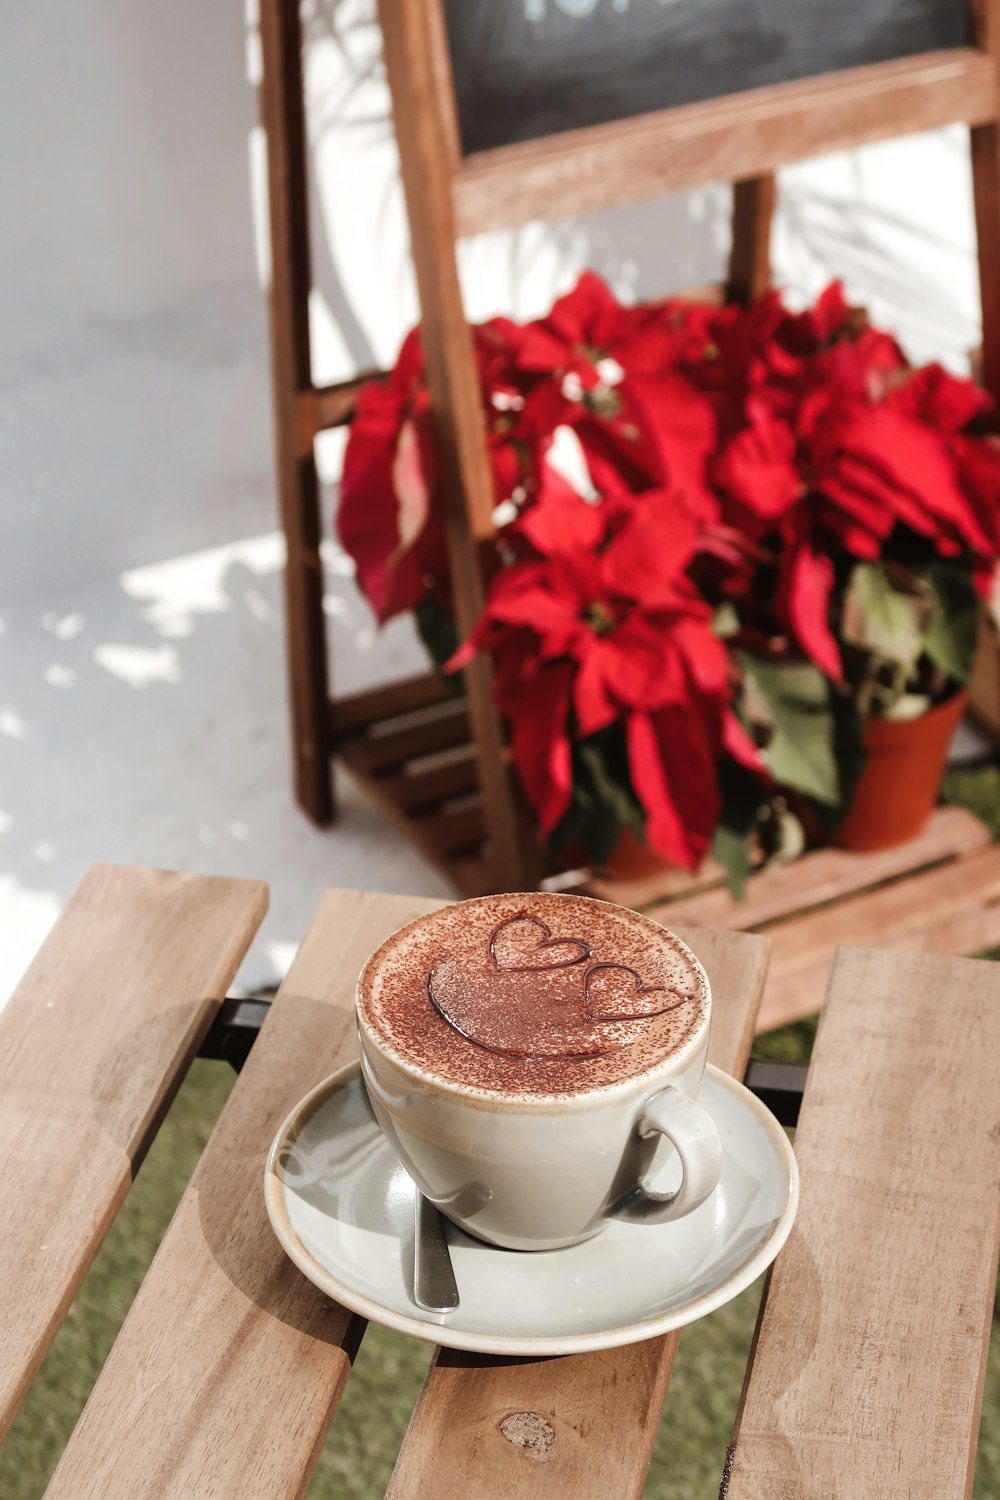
<point x="519" y="1013"/>
<point x="614" y="992"/>
<point x="524" y="945"/>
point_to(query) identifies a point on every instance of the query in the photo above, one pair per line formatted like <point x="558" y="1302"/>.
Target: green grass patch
<point x="42" y="1427"/>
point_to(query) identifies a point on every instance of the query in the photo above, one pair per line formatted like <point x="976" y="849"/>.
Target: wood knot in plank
<point x="530" y="1433"/>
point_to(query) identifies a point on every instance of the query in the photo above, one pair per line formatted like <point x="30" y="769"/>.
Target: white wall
<point x="133" y="366"/>
<point x="133" y="376"/>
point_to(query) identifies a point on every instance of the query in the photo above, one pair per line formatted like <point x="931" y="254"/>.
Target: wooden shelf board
<point x="409" y="745"/>
<point x="939" y="893"/>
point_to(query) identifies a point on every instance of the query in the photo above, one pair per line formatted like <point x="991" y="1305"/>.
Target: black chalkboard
<point x="527" y="68"/>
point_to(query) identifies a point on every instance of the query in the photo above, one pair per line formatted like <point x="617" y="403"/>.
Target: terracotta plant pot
<point x="631" y="860"/>
<point x="898" y="788"/>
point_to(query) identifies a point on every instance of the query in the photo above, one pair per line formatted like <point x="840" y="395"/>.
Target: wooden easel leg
<point x="427" y="133"/>
<point x="985" y="144"/>
<point x="298" y="484"/>
<point x="750" y="256"/>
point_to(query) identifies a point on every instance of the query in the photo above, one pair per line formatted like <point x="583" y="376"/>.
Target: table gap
<point x="987" y="1480"/>
<point x="690" y="1450"/>
<point x="367" y="1432"/>
<point x="50" y="1411"/>
<point x="689" y="1454"/>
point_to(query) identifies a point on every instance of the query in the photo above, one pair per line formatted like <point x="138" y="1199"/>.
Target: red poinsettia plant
<point x="772" y="528"/>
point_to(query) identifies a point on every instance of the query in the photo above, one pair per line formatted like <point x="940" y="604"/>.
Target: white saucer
<point x="342" y="1207"/>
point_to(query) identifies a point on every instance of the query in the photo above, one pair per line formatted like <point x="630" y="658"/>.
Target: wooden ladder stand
<point x="438" y="765"/>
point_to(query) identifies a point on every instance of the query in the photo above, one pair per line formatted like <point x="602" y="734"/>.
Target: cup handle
<point x="692" y="1131"/>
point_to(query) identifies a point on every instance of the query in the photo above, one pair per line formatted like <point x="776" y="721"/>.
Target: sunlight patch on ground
<point x="26" y="917"/>
<point x="281" y="956"/>
<point x="12" y="725"/>
<point x="175" y="592"/>
<point x="64" y="627"/>
<point x="139" y="665"/>
<point x="335" y="560"/>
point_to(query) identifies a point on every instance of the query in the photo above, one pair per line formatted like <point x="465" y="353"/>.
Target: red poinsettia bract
<point x="833" y="444"/>
<point x="746" y="456"/>
<point x="390" y="517"/>
<point x="608" y="628"/>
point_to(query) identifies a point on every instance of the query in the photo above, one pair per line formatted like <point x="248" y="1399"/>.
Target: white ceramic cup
<point x="536" y="1172"/>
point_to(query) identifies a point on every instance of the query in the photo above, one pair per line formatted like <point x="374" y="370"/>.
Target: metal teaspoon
<point x="434" y="1287"/>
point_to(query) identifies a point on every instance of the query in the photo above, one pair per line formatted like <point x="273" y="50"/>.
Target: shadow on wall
<point x="364" y="299"/>
<point x="867" y="216"/>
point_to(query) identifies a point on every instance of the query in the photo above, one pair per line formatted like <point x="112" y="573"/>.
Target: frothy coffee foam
<point x="536" y="994"/>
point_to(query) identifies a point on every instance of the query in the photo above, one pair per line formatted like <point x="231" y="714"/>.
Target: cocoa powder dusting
<point x="532" y="994"/>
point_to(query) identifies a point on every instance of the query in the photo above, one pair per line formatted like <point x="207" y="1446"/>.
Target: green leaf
<point x="437" y="629"/>
<point x="614" y="804"/>
<point x="731" y="849"/>
<point x="603" y="802"/>
<point x="880" y="618"/>
<point x="609" y="791"/>
<point x="849" y="749"/>
<point x="726" y="621"/>
<point x="951" y="636"/>
<point x="801" y="751"/>
<point x="742" y="798"/>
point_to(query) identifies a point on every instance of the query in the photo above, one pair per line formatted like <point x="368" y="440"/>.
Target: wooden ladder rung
<point x="362" y="710"/>
<point x="333" y="405"/>
<point x="427" y="786"/>
<point x="454" y="831"/>
<point x="374" y="754"/>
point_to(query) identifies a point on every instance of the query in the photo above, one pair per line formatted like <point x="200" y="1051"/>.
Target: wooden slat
<point x="985" y="147"/>
<point x="667" y="884"/>
<point x="93" y="1046"/>
<point x="381" y="791"/>
<point x="471" y="875"/>
<point x="291" y="376"/>
<point x="750" y="255"/>
<point x="332" y="405"/>
<point x="348" y="715"/>
<point x="454" y="831"/>
<point x="866" y="1381"/>
<point x="425" y="787"/>
<point x="229" y="1365"/>
<point x="781" y="891"/>
<point x="604" y="1408"/>
<point x="419" y="68"/>
<point x="384" y="752"/>
<point x="952" y="909"/>
<point x="721" y="140"/>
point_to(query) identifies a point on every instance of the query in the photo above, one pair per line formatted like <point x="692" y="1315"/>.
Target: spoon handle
<point x="434" y="1287"/>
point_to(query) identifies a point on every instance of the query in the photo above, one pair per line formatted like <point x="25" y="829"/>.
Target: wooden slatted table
<point x="866" y="1377"/>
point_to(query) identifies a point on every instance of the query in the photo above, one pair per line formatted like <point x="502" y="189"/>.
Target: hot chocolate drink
<point x="535" y="994"/>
